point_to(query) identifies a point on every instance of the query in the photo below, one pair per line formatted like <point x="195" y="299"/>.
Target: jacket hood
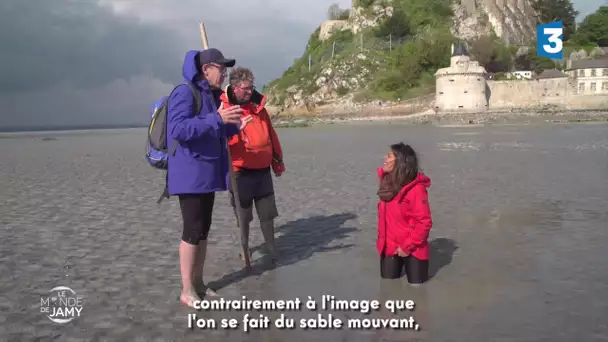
<point x="257" y="99"/>
<point x="421" y="179"/>
<point x="189" y="69"/>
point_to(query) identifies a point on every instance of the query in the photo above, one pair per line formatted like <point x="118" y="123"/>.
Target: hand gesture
<point x="230" y="115"/>
<point x="245" y="121"/>
<point x="401" y="253"/>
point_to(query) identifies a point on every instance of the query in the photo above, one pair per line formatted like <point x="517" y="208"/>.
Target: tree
<point x="555" y="10"/>
<point x="491" y="53"/>
<point x="530" y="61"/>
<point x="594" y="29"/>
<point x="396" y="25"/>
<point x="334" y="12"/>
<point x="363" y="3"/>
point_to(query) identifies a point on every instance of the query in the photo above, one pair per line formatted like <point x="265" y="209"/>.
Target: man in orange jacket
<point x="256" y="151"/>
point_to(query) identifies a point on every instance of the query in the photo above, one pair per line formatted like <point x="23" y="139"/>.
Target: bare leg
<point x="187" y="256"/>
<point x="197" y="272"/>
<point x="268" y="233"/>
<point x="245" y="239"/>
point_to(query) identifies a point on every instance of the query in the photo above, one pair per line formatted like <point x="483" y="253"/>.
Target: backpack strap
<point x="198" y="101"/>
<point x="196" y="110"/>
<point x="165" y="193"/>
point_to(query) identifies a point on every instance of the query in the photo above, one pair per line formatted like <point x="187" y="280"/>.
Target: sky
<point x="88" y="62"/>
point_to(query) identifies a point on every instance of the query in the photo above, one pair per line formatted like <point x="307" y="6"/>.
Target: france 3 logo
<point x="549" y="41"/>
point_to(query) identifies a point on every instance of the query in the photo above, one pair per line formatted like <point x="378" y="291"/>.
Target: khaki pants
<point x="256" y="188"/>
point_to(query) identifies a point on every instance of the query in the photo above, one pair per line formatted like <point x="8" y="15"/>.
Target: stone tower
<point x="462" y="85"/>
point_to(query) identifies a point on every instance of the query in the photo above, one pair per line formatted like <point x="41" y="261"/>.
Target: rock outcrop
<point x="359" y="19"/>
<point x="512" y="20"/>
<point x="329" y="27"/>
<point x="337" y="79"/>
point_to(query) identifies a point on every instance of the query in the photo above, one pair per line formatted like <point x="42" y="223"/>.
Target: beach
<point x="518" y="238"/>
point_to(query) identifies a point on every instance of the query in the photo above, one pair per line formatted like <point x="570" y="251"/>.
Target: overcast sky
<point x="65" y="62"/>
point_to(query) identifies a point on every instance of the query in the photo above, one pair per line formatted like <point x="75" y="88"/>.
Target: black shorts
<point x="255" y="186"/>
<point x="392" y="267"/>
<point x="197" y="210"/>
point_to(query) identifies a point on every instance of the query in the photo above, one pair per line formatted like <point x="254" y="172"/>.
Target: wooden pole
<point x="237" y="199"/>
<point x="204" y="36"/>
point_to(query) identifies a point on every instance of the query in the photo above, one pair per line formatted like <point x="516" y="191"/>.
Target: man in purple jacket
<point x="199" y="166"/>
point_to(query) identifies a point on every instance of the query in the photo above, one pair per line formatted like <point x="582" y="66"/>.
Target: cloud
<point x="118" y="102"/>
<point x="78" y="62"/>
<point x="105" y="61"/>
<point x="265" y="35"/>
<point x="81" y="43"/>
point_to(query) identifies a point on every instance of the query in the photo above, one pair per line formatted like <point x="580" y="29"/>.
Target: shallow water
<point x="520" y="216"/>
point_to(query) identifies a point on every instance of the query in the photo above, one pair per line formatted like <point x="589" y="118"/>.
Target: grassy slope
<point x="405" y="72"/>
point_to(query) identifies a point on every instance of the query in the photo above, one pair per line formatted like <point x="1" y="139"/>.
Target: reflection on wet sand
<point x="399" y="290"/>
<point x="517" y="245"/>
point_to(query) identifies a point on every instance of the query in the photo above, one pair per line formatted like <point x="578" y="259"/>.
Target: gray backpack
<point x="157" y="151"/>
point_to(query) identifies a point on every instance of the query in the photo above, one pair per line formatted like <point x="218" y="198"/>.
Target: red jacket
<point x="257" y="146"/>
<point x="405" y="221"/>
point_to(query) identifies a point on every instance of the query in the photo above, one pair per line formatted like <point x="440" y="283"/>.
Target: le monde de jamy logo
<point x="62" y="305"/>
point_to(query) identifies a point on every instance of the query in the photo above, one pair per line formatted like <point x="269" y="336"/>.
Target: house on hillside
<point x="589" y="75"/>
<point x="550" y="74"/>
<point x="519" y="74"/>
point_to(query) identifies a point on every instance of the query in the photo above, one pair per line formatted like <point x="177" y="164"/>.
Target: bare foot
<point x="209" y="292"/>
<point x="245" y="259"/>
<point x="188" y="298"/>
<point x="242" y="256"/>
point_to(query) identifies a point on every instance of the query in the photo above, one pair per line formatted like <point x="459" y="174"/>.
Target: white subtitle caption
<point x="260" y="321"/>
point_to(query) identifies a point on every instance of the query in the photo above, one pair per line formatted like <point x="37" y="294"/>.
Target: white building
<point x="519" y="74"/>
<point x="462" y="85"/>
<point x="589" y="75"/>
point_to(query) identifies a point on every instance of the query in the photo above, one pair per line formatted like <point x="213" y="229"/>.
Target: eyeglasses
<point x="223" y="70"/>
<point x="252" y="88"/>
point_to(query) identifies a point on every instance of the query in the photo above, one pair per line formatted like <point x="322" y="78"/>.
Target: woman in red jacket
<point x="404" y="217"/>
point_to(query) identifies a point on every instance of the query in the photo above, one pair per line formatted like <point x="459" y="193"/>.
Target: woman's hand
<point x="401" y="253"/>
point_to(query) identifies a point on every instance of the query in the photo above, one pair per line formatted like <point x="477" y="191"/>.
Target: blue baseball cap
<point x="212" y="55"/>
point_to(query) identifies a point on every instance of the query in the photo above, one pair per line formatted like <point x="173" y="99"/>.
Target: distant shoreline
<point x="450" y="119"/>
<point x="439" y="119"/>
<point x="33" y="129"/>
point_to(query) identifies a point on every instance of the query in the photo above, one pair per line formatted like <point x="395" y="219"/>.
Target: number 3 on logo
<point x="549" y="40"/>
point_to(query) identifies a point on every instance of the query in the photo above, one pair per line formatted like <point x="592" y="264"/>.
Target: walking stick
<point x="237" y="201"/>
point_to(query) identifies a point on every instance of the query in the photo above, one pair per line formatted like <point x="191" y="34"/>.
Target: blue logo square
<point x="549" y="41"/>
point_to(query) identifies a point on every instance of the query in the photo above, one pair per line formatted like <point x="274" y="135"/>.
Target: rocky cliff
<point x="342" y="59"/>
<point x="512" y="20"/>
<point x="359" y="19"/>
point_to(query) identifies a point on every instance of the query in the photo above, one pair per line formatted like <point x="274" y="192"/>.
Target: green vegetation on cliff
<point x="419" y="33"/>
<point x="298" y="73"/>
<point x="367" y="65"/>
<point x="594" y="29"/>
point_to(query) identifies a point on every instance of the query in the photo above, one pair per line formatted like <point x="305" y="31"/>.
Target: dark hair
<point x="406" y="165"/>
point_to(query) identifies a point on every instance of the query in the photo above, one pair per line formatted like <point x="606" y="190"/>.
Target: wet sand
<point x="519" y="236"/>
